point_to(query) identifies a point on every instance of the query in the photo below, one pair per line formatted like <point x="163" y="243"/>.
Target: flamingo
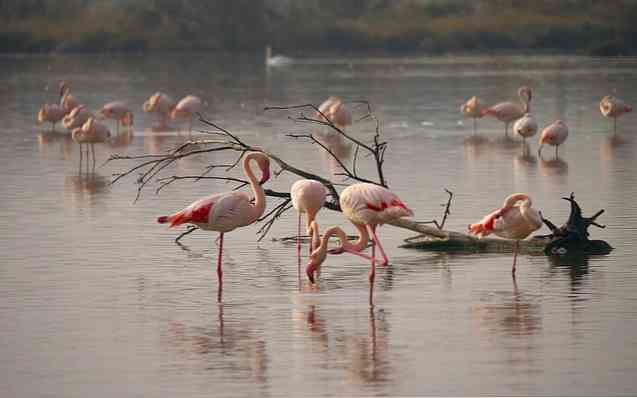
<point x="370" y="205"/>
<point x="162" y="105"/>
<point x="226" y="211"/>
<point x="613" y="107"/>
<point x="334" y="109"/>
<point x="308" y="196"/>
<point x="319" y="246"/>
<point x="118" y="111"/>
<point x="187" y="107"/>
<point x="77" y="117"/>
<point x="473" y="108"/>
<point x="526" y="126"/>
<point x="67" y="101"/>
<point x="508" y="111"/>
<point x="516" y="220"/>
<point x="554" y="134"/>
<point x="91" y="132"/>
<point x="51" y="113"/>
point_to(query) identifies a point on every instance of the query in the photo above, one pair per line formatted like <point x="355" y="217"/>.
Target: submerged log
<point x="572" y="237"/>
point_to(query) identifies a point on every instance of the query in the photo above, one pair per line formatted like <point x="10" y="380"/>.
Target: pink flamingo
<point x="187" y="107"/>
<point x="308" y="196"/>
<point x="227" y="211"/>
<point x="554" y="134"/>
<point x="118" y="111"/>
<point x="473" y="108"/>
<point x="67" y="101"/>
<point x="90" y="133"/>
<point x="370" y="205"/>
<point x="613" y="107"/>
<point x="525" y="127"/>
<point x="508" y="111"/>
<point x="516" y="219"/>
<point x="77" y="117"/>
<point x="334" y="109"/>
<point x="51" y="113"/>
<point x="162" y="105"/>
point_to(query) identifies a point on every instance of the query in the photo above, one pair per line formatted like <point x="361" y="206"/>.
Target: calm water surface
<point x="98" y="301"/>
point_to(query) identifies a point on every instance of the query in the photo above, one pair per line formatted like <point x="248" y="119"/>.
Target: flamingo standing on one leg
<point x="308" y="196"/>
<point x="51" y="113"/>
<point x="526" y="126"/>
<point x="508" y="111"/>
<point x="162" y="105"/>
<point x="187" y="107"/>
<point x="118" y="111"/>
<point x="473" y="108"/>
<point x="371" y="205"/>
<point x="554" y="134"/>
<point x="613" y="107"/>
<point x="227" y="211"/>
<point x="516" y="219"/>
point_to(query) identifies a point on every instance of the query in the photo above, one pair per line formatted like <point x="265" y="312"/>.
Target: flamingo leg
<point x="506" y="129"/>
<point x="219" y="270"/>
<point x="614" y="125"/>
<point x="372" y="272"/>
<point x="93" y="154"/>
<point x="515" y="256"/>
<point x="557" y="146"/>
<point x="81" y="156"/>
<point x="474" y="126"/>
<point x="298" y="247"/>
<point x="380" y="247"/>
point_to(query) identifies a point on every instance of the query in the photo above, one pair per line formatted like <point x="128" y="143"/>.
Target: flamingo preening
<point x="77" y="117"/>
<point x="508" y="112"/>
<point x="516" y="220"/>
<point x="90" y="133"/>
<point x="525" y="127"/>
<point x="118" y="111"/>
<point x="554" y="134"/>
<point x="473" y="108"/>
<point x="187" y="108"/>
<point x="368" y="205"/>
<point x="308" y="196"/>
<point x="51" y="113"/>
<point x="161" y="104"/>
<point x="224" y="212"/>
<point x="613" y="107"/>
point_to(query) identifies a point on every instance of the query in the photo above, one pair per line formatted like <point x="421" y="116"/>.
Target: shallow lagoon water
<point x="99" y="301"/>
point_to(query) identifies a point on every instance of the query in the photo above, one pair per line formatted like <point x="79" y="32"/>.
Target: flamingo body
<point x="526" y="126"/>
<point x="91" y="132"/>
<point x="308" y="196"/>
<point x="554" y="134"/>
<point x="51" y="113"/>
<point x="371" y="204"/>
<point x="334" y="110"/>
<point x="473" y="108"/>
<point x="118" y="111"/>
<point x="187" y="107"/>
<point x="77" y="117"/>
<point x="161" y="104"/>
<point x="612" y="107"/>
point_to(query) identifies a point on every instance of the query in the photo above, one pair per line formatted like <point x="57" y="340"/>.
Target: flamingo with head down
<point x="225" y="212"/>
<point x="308" y="196"/>
<point x="161" y="104"/>
<point x="367" y="205"/>
<point x="516" y="220"/>
<point x="187" y="108"/>
<point x="508" y="112"/>
<point x="335" y="110"/>
<point x="525" y="127"/>
<point x="613" y="107"/>
<point x="554" y="134"/>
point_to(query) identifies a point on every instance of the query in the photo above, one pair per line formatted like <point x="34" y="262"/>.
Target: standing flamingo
<point x="77" y="117"/>
<point x="613" y="107"/>
<point x="516" y="219"/>
<point x="508" y="111"/>
<point x="226" y="211"/>
<point x="187" y="107"/>
<point x="118" y="111"/>
<point x="308" y="196"/>
<point x="162" y="105"/>
<point x="90" y="133"/>
<point x="51" y="113"/>
<point x="371" y="205"/>
<point x="67" y="101"/>
<point x="473" y="108"/>
<point x="334" y="110"/>
<point x="554" y="134"/>
<point x="526" y="126"/>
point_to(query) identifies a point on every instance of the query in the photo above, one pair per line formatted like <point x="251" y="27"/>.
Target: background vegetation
<point x="581" y="26"/>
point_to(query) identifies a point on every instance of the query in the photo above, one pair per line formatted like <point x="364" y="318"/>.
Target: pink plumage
<point x="187" y="108"/>
<point x="554" y="134"/>
<point x="508" y="112"/>
<point x="308" y="196"/>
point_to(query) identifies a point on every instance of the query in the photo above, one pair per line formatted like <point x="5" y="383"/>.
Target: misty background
<point x="588" y="27"/>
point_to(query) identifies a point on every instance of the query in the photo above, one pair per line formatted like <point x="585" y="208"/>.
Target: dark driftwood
<point x="570" y="238"/>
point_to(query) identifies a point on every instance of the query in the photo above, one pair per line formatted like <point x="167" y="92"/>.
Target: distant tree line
<point x="435" y="26"/>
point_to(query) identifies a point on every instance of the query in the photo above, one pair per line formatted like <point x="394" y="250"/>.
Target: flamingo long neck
<point x="526" y="101"/>
<point x="259" y="195"/>
<point x="511" y="200"/>
<point x="363" y="239"/>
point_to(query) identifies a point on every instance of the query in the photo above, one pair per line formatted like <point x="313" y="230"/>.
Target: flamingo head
<point x="526" y="93"/>
<point x="313" y="269"/>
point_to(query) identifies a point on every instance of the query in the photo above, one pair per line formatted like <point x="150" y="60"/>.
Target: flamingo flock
<point x="366" y="205"/>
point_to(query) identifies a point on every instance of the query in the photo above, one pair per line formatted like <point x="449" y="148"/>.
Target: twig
<point x="191" y="229"/>
<point x="446" y="213"/>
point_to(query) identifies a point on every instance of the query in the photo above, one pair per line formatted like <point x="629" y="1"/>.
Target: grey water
<point x="97" y="299"/>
